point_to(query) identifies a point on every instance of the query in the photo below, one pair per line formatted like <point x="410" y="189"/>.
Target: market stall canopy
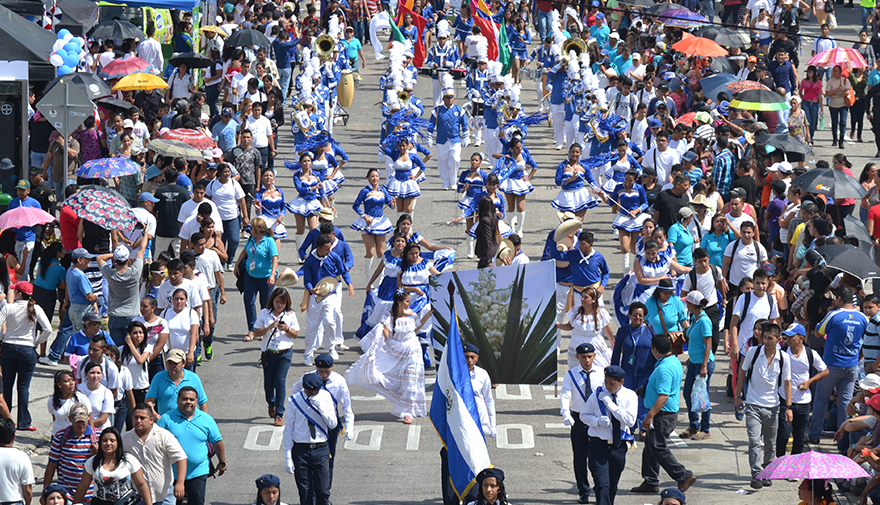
<point x="25" y="41"/>
<point x="78" y="15"/>
<point x="184" y="5"/>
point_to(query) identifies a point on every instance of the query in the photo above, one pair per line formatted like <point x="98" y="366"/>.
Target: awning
<point x="36" y="50"/>
<point x="184" y="5"/>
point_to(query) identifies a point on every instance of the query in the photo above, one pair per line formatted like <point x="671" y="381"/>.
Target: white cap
<point x="614" y="35"/>
<point x="515" y="104"/>
<point x="444" y="34"/>
<point x="695" y="297"/>
<point x="785" y="167"/>
<point x="121" y="253"/>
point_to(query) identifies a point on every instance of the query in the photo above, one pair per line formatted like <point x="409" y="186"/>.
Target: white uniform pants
<point x="557" y="114"/>
<point x="571" y="131"/>
<point x="438" y="92"/>
<point x="389" y="172"/>
<point x="493" y="145"/>
<point x="320" y="315"/>
<point x="477" y="124"/>
<point x="448" y="161"/>
<point x="561" y="296"/>
<point x="336" y="337"/>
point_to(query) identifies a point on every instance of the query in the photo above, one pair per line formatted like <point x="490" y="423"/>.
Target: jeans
<point x="20" y="361"/>
<point x="212" y="94"/>
<point x="811" y="111"/>
<point x="264" y="160"/>
<point x="656" y="452"/>
<point x="284" y="83"/>
<point x="37" y="160"/>
<point x="71" y="324"/>
<point x="857" y="116"/>
<point x="838" y="117"/>
<point x="118" y="328"/>
<point x="797" y="427"/>
<point x="121" y="414"/>
<point x="708" y="7"/>
<point x="311" y="470"/>
<point x="275" y="368"/>
<point x="866" y="11"/>
<point x="249" y="191"/>
<point x="231" y="237"/>
<point x="252" y="286"/>
<point x="844" y="379"/>
<point x="215" y="301"/>
<point x="761" y="421"/>
<point x="543" y="22"/>
<point x="195" y="490"/>
<point x="693" y="371"/>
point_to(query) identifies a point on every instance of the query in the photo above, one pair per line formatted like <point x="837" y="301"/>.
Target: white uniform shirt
<point x="339" y="394"/>
<point x="520" y="259"/>
<point x="626" y="410"/>
<point x="296" y="428"/>
<point x="571" y="400"/>
<point x="762" y="387"/>
<point x="275" y="339"/>
<point x="485" y="403"/>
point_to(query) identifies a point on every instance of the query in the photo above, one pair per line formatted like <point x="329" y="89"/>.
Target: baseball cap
<point x="25" y="287"/>
<point x="23" y="184"/>
<point x="35" y="170"/>
<point x="695" y="297"/>
<point x="147" y="197"/>
<point x="136" y="150"/>
<point x="176" y="355"/>
<point x="650" y="172"/>
<point x="689" y="156"/>
<point x="794" y="329"/>
<point x="703" y="117"/>
<point x="78" y="253"/>
<point x="654" y="123"/>
<point x="614" y="35"/>
<point x="217" y="152"/>
<point x="128" y="123"/>
<point x="600" y="16"/>
<point x="753" y="59"/>
<point x="874" y="401"/>
<point x="685" y="212"/>
<point x="871" y="381"/>
<point x="78" y="412"/>
<point x="91" y="317"/>
<point x="636" y="56"/>
<point x="121" y="253"/>
<point x="226" y="112"/>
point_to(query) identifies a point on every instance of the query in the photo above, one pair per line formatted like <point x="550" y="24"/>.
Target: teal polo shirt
<point x="664" y="380"/>
<point x="193" y="435"/>
<point x="164" y="390"/>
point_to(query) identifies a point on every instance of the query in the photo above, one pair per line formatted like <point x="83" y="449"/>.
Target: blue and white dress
<point x="373" y="200"/>
<point x="476" y="182"/>
<point x="323" y="167"/>
<point x="401" y="185"/>
<point x="308" y="201"/>
<point x="505" y="230"/>
<point x="574" y="196"/>
<point x="271" y="209"/>
<point x="634" y="199"/>
<point x="615" y="171"/>
<point x="378" y="301"/>
<point x="515" y="185"/>
<point x="633" y="291"/>
<point x="418" y="276"/>
<point x="519" y="43"/>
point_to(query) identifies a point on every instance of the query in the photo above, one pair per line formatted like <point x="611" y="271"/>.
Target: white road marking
<point x="502" y="440"/>
<point x="375" y="443"/>
<point x="413" y="436"/>
<point x="503" y="392"/>
<point x="252" y="441"/>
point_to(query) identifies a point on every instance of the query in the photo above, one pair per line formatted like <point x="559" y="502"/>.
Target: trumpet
<point x="575" y="44"/>
<point x="324" y="46"/>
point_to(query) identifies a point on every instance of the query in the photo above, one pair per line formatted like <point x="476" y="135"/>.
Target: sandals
<point x="249" y="337"/>
<point x="407" y="419"/>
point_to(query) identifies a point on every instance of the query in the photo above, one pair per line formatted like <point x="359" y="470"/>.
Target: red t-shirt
<point x="874" y="215"/>
<point x="69" y="224"/>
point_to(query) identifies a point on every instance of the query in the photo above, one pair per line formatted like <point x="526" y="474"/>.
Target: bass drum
<point x="345" y="89"/>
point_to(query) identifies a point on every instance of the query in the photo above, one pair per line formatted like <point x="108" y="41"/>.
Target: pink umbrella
<point x="813" y="465"/>
<point x="20" y="217"/>
<point x="838" y="56"/>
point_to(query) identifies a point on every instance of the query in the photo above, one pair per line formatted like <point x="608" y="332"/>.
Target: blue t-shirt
<point x="716" y="245"/>
<point x="164" y="390"/>
<point x="224" y="134"/>
<point x="54" y="275"/>
<point x="78" y="286"/>
<point x="25" y="233"/>
<point x="673" y="314"/>
<point x="259" y="260"/>
<point x="664" y="380"/>
<point x="683" y="242"/>
<point x="185" y="182"/>
<point x="699" y="329"/>
<point x="193" y="435"/>
<point x="351" y="48"/>
<point x="843" y="330"/>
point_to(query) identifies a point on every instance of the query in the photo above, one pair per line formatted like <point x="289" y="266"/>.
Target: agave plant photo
<point x="516" y="332"/>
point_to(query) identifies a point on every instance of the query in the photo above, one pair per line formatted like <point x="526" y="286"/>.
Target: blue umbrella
<point x="104" y="168"/>
<point x="716" y="83"/>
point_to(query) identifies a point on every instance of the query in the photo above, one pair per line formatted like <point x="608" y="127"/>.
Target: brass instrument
<point x="403" y="96"/>
<point x="301" y="118"/>
<point x="575" y="44"/>
<point x="324" y="46"/>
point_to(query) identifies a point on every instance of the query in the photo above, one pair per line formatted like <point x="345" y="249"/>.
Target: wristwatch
<point x="221" y="463"/>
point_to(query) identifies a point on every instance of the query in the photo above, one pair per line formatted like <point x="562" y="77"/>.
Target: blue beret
<point x="585" y="348"/>
<point x="615" y="372"/>
<point x="312" y="380"/>
<point x="490" y="472"/>
<point x="268" y="480"/>
<point x="472" y="348"/>
<point x="324" y="361"/>
<point x="674" y="493"/>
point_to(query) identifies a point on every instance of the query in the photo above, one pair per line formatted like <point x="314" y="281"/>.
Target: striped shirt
<point x="871" y="342"/>
<point x="71" y="458"/>
<point x="722" y="173"/>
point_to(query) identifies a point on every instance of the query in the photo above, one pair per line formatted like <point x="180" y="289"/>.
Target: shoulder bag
<point x="675" y="337"/>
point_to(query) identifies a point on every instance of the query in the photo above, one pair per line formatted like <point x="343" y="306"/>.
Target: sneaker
<point x="703" y="435"/>
<point x="756" y="484"/>
<point x="308" y="361"/>
<point x="559" y="147"/>
<point x="209" y="351"/>
<point x="46" y="360"/>
<point x="230" y="267"/>
<point x="688" y="433"/>
<point x="334" y="355"/>
<point x="342" y="347"/>
<point x="199" y="360"/>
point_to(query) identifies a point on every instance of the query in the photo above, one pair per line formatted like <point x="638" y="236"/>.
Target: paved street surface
<point x="389" y="462"/>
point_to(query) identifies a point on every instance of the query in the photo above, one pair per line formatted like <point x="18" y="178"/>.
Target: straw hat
<point x="325" y="287"/>
<point x="566" y="228"/>
<point x="505" y="250"/>
<point x="564" y="216"/>
<point x="286" y="278"/>
<point x="327" y="214"/>
<point x="700" y="199"/>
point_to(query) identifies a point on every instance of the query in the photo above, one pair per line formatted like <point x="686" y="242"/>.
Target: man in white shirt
<point x="624" y="103"/>
<point x="310" y="418"/>
<point x="735" y="215"/>
<point x="174" y="282"/>
<point x="754" y="8"/>
<point x="482" y="390"/>
<point x="157" y="450"/>
<point x="150" y="50"/>
<point x="190" y="207"/>
<point x="766" y="369"/>
<point x="661" y="158"/>
<point x="745" y="72"/>
<point x="238" y="85"/>
<point x="636" y="72"/>
<point x="803" y="361"/>
<point x="261" y="129"/>
<point x="578" y="386"/>
<point x="209" y="264"/>
<point x="109" y="371"/>
<point x="743" y="256"/>
<point x="609" y="413"/>
<point x="639" y="126"/>
<point x="108" y="55"/>
<point x="706" y="279"/>
<point x="16" y="471"/>
<point x="476" y="43"/>
<point x="749" y="308"/>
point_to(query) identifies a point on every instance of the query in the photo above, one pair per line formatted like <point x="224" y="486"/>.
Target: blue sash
<point x="577" y="388"/>
<point x="625" y="435"/>
<point x="303" y="412"/>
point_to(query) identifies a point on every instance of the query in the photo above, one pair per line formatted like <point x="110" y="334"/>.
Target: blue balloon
<point x="64" y="70"/>
<point x="70" y="47"/>
<point x="71" y="60"/>
<point x="63" y="33"/>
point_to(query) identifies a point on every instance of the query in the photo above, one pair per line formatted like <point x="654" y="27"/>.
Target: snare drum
<point x="477" y="109"/>
<point x="526" y="73"/>
<point x="425" y="71"/>
<point x="458" y="73"/>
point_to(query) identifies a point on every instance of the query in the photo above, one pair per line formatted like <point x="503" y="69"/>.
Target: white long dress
<point x="583" y="331"/>
<point x="393" y="367"/>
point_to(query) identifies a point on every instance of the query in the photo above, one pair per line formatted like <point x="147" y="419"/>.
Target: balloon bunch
<point x="67" y="51"/>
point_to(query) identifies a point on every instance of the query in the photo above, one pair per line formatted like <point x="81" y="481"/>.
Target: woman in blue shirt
<point x="716" y="242"/>
<point x="673" y="311"/>
<point x="258" y="265"/>
<point x="49" y="277"/>
<point x="519" y="40"/>
<point x="408" y="30"/>
<point x="632" y="351"/>
<point x="681" y="239"/>
<point x="372" y="223"/>
<point x="701" y="361"/>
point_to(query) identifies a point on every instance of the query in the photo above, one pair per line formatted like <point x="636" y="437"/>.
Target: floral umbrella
<point x="20" y="217"/>
<point x="104" y="207"/>
<point x="104" y="168"/>
<point x="124" y="66"/>
<point x="813" y="465"/>
<point x="838" y="56"/>
<point x="686" y="119"/>
<point x="740" y="86"/>
<point x="194" y="138"/>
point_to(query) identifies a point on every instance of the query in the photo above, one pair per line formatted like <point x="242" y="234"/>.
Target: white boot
<point x="470" y="247"/>
<point x="514" y="217"/>
<point x="624" y="262"/>
<point x="519" y="223"/>
<point x="299" y="240"/>
<point x="368" y="270"/>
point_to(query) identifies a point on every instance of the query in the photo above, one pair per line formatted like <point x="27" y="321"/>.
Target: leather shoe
<point x="644" y="488"/>
<point x="686" y="484"/>
<point x="271" y="411"/>
<point x="584" y="499"/>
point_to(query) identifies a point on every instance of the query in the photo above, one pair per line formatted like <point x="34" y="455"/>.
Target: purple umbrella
<point x="813" y="465"/>
<point x="682" y="18"/>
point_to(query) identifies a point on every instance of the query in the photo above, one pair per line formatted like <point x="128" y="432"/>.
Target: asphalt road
<point x="389" y="462"/>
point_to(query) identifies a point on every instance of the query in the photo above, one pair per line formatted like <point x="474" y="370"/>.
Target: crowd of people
<point x="718" y="243"/>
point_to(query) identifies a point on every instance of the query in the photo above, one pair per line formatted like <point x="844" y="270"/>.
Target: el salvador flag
<point x="455" y="417"/>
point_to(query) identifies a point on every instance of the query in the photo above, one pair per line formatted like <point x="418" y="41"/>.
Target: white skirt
<point x="629" y="224"/>
<point x="505" y="230"/>
<point x="465" y="202"/>
<point x="516" y="187"/>
<point x="403" y="189"/>
<point x="380" y="226"/>
<point x="330" y="187"/>
<point x="304" y="207"/>
<point x="278" y="229"/>
<point x="574" y="200"/>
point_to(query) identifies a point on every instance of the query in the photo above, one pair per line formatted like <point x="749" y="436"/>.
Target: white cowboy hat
<point x="286" y="278"/>
<point x="325" y="287"/>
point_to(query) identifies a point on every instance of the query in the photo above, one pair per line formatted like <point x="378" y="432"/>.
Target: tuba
<point x="403" y="96"/>
<point x="324" y="46"/>
<point x="575" y="44"/>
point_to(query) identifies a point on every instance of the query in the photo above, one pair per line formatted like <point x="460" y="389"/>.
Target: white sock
<point x="368" y="270"/>
<point x="519" y="223"/>
<point x="298" y="240"/>
<point x="470" y="246"/>
<point x="514" y="218"/>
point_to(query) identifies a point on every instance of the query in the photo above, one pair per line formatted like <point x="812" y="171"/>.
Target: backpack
<point x="747" y="304"/>
<point x="757" y="252"/>
<point x="810" y="358"/>
<point x="716" y="276"/>
<point x="782" y="359"/>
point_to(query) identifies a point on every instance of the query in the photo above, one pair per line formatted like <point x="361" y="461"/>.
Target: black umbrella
<point x="116" y="29"/>
<point x="722" y="64"/>
<point x="662" y="7"/>
<point x="92" y="85"/>
<point x="192" y="60"/>
<point x="850" y="259"/>
<point x="116" y="104"/>
<point x="638" y="3"/>
<point x="785" y="142"/>
<point x="831" y="183"/>
<point x="723" y="36"/>
<point x="857" y="229"/>
<point x="242" y="37"/>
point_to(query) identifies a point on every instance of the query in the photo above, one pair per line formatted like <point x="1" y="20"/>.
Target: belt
<point x="568" y="284"/>
<point x="316" y="445"/>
